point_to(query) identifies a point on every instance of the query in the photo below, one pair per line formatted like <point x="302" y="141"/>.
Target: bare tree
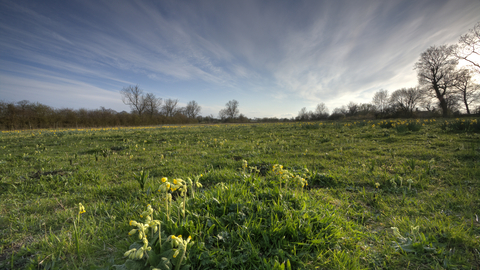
<point x="169" y="108"/>
<point x="366" y="108"/>
<point x="338" y="113"/>
<point x="406" y="99"/>
<point x="468" y="48"/>
<point x="222" y="114"/>
<point x="353" y="108"/>
<point x="193" y="109"/>
<point x="435" y="71"/>
<point x="468" y="91"/>
<point x="133" y="96"/>
<point x="321" y="111"/>
<point x="302" y="115"/>
<point x="380" y="100"/>
<point x="152" y="104"/>
<point x="230" y="111"/>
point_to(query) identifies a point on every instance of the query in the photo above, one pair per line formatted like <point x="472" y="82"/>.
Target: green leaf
<point x="164" y="264"/>
<point x="185" y="267"/>
<point x="211" y="229"/>
<point x="153" y="258"/>
<point x="167" y="245"/>
<point x="317" y="241"/>
<point x="168" y="254"/>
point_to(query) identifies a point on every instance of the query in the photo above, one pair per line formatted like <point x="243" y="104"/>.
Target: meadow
<point x="390" y="194"/>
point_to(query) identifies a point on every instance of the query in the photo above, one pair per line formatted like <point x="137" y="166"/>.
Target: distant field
<point x="380" y="195"/>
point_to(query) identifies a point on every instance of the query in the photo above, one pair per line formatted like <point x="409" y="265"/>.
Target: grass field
<point x="380" y="195"/>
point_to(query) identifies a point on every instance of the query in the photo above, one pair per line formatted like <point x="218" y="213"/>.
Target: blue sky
<point x="274" y="57"/>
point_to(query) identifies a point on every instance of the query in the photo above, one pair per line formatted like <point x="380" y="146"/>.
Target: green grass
<point x="427" y="175"/>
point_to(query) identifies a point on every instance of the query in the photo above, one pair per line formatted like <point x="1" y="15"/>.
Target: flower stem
<point x="181" y="258"/>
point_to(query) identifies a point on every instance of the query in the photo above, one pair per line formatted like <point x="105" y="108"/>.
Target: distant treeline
<point x="29" y="115"/>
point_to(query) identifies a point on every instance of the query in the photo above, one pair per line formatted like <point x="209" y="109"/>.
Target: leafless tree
<point x="152" y="104"/>
<point x="380" y="100"/>
<point x="406" y="99"/>
<point x="133" y="96"/>
<point x="468" y="48"/>
<point x="222" y="114"/>
<point x="230" y="111"/>
<point x="353" y="108"/>
<point x="338" y="113"/>
<point x="193" y="109"/>
<point x="468" y="91"/>
<point x="169" y="108"/>
<point x="366" y="108"/>
<point x="435" y="71"/>
<point x="321" y="111"/>
<point x="303" y="115"/>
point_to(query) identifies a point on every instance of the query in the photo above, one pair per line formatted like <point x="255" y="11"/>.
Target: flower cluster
<point x="137" y="254"/>
<point x="179" y="244"/>
<point x="297" y="178"/>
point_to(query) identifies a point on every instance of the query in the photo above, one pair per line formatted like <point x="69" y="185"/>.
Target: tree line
<point x="443" y="87"/>
<point x="30" y="115"/>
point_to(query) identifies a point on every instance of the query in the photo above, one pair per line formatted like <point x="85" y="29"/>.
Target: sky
<point x="273" y="57"/>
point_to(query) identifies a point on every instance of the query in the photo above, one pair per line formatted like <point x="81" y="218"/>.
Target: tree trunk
<point x="466" y="104"/>
<point x="444" y="106"/>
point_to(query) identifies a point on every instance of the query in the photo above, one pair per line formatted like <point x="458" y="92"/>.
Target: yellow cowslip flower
<point x="377" y="185"/>
<point x="139" y="253"/>
<point x="175" y="181"/>
<point x="164" y="179"/>
<point x="81" y="209"/>
<point x="132" y="223"/>
<point x="133" y="250"/>
<point x="133" y="231"/>
<point x="176" y="253"/>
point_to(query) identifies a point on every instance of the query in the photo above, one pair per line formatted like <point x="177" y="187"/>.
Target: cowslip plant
<point x="154" y="226"/>
<point x="195" y="183"/>
<point x="298" y="178"/>
<point x="81" y="210"/>
<point x="142" y="178"/>
<point x="150" y="252"/>
<point x="279" y="171"/>
<point x="413" y="241"/>
<point x="163" y="189"/>
<point x="181" y="186"/>
<point x="300" y="182"/>
<point x="244" y="165"/>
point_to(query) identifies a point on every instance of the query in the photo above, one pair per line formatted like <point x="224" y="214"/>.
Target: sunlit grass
<point x="364" y="177"/>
